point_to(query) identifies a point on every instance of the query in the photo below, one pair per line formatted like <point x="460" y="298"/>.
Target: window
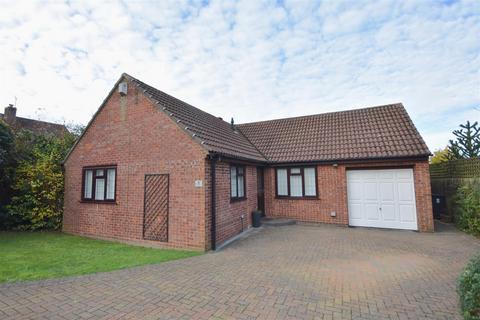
<point x="282" y="182"/>
<point x="99" y="184"/>
<point x="237" y="182"/>
<point x="296" y="182"/>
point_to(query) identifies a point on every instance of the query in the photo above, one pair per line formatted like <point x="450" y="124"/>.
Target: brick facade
<point x="332" y="194"/>
<point x="231" y="216"/>
<point x="140" y="139"/>
<point x="134" y="134"/>
<point x="137" y="137"/>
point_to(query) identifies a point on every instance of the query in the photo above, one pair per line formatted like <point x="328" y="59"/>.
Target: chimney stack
<point x="232" y="124"/>
<point x="10" y="114"/>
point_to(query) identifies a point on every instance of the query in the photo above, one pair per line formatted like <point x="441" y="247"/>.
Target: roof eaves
<point x="235" y="157"/>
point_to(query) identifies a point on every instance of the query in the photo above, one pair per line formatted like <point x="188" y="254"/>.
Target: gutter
<point x="268" y="163"/>
<point x="213" y="228"/>
<point x="347" y="161"/>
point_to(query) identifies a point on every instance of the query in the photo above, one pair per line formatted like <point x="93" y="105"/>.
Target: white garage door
<point x="382" y="198"/>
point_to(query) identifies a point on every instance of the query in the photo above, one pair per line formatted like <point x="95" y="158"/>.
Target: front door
<point x="260" y="191"/>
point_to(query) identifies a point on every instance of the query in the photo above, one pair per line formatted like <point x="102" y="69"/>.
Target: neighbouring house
<point x="35" y="126"/>
<point x="153" y="169"/>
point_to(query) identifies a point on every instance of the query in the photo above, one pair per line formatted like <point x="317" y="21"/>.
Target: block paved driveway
<point x="295" y="272"/>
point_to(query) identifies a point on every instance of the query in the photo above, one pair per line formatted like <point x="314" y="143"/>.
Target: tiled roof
<point x="38" y="126"/>
<point x="369" y="133"/>
<point x="382" y="132"/>
<point x="214" y="133"/>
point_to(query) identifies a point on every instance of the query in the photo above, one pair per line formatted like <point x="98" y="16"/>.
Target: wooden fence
<point x="446" y="177"/>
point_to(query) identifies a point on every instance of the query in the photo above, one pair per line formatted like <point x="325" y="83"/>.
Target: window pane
<point x="295" y="171"/>
<point x="282" y="188"/>
<point x="309" y="174"/>
<point x="240" y="170"/>
<point x="233" y="182"/>
<point x="295" y="186"/>
<point x="87" y="192"/>
<point x="241" y="191"/>
<point x="111" y="184"/>
<point x="99" y="189"/>
<point x="99" y="173"/>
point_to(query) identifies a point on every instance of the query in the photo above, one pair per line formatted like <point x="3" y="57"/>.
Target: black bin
<point x="438" y="204"/>
<point x="256" y="218"/>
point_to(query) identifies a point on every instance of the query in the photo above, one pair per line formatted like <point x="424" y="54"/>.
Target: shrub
<point x="468" y="207"/>
<point x="7" y="170"/>
<point x="38" y="185"/>
<point x="6" y="161"/>
<point x="469" y="290"/>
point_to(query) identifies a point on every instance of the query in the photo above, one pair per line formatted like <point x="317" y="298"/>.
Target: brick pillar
<point x="423" y="195"/>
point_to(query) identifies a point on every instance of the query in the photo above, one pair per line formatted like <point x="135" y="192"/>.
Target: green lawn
<point x="41" y="255"/>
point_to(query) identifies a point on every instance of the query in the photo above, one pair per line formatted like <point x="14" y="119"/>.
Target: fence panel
<point x="446" y="177"/>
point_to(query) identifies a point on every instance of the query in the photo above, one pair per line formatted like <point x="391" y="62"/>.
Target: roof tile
<point x="376" y="132"/>
<point x="38" y="126"/>
<point x="214" y="133"/>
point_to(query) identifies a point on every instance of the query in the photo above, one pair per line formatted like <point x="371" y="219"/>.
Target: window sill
<point x="98" y="201"/>
<point x="237" y="199"/>
<point x="297" y="198"/>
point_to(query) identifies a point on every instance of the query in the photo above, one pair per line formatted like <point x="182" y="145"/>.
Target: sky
<point x="251" y="60"/>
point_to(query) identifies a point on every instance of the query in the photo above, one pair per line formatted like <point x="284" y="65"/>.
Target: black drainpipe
<point x="213" y="229"/>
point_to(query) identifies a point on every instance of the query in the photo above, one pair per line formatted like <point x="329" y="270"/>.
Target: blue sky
<point x="251" y="60"/>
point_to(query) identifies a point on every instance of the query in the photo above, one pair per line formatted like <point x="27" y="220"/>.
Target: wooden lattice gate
<point x="155" y="216"/>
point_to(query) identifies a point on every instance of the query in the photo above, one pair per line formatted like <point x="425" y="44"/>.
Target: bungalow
<point x="152" y="169"/>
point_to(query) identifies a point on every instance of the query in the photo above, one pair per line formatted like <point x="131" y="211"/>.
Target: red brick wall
<point x="423" y="194"/>
<point x="140" y="139"/>
<point x="332" y="189"/>
<point x="228" y="213"/>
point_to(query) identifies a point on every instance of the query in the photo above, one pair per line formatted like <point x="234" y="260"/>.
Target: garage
<point x="383" y="198"/>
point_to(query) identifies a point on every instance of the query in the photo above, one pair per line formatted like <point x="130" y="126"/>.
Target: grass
<point x="42" y="255"/>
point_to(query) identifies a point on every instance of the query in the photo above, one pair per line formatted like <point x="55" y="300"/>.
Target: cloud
<point x="252" y="60"/>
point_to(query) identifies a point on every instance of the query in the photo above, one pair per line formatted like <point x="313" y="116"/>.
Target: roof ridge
<point x="397" y="104"/>
<point x="256" y="148"/>
<point x="170" y="96"/>
<point x="42" y="121"/>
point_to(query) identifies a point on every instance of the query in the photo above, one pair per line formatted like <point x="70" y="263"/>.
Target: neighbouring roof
<point x="214" y="133"/>
<point x="37" y="126"/>
<point x="376" y="132"/>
